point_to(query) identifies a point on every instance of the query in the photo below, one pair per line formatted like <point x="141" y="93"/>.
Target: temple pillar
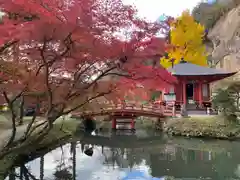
<point x="184" y="105"/>
<point x="200" y="94"/>
<point x="209" y="92"/>
<point x="184" y="93"/>
<point x="114" y="123"/>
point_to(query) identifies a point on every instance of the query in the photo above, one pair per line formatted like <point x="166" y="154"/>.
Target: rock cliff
<point x="225" y="38"/>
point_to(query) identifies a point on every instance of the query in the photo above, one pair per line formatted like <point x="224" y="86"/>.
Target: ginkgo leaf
<point x="186" y="39"/>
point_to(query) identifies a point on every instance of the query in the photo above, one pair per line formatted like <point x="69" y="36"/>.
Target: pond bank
<point x="214" y="127"/>
<point x="205" y="127"/>
<point x="61" y="133"/>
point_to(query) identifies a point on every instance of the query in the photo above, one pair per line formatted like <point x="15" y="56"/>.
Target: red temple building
<point x="193" y="87"/>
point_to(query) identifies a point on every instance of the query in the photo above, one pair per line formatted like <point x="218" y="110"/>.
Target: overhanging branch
<point x="87" y="101"/>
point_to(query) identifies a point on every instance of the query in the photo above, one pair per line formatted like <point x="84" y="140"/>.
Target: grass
<point x="211" y="126"/>
<point x="58" y="134"/>
<point x="5" y="121"/>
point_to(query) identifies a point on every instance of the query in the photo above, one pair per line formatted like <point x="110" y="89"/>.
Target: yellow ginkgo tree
<point x="186" y="42"/>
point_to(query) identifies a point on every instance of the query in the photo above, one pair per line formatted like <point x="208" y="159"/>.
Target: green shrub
<point x="225" y="103"/>
<point x="234" y="89"/>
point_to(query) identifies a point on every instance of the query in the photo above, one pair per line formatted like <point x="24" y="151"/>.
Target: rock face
<point x="225" y="37"/>
<point x="225" y="45"/>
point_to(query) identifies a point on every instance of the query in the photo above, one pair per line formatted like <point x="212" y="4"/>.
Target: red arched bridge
<point x="129" y="111"/>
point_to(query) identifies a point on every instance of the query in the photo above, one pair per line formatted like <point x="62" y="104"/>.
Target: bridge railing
<point x="132" y="106"/>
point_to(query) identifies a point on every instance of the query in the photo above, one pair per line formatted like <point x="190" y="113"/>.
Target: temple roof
<point x="189" y="69"/>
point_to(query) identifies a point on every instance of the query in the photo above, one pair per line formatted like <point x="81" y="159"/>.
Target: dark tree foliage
<point x="209" y="14"/>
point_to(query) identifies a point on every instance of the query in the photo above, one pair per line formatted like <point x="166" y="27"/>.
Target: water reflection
<point x="154" y="161"/>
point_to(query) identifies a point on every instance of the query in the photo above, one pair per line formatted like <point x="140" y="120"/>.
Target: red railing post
<point x="123" y="105"/>
<point x="114" y="123"/>
<point x="133" y="124"/>
<point x="174" y="110"/>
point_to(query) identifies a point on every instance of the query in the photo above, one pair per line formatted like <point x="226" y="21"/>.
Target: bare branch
<point x="27" y="174"/>
<point x="46" y="74"/>
<point x="87" y="101"/>
<point x="7" y="45"/>
<point x="29" y="126"/>
<point x="36" y="127"/>
<point x="13" y="119"/>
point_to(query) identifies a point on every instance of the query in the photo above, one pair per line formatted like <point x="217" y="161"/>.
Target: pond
<point x="135" y="157"/>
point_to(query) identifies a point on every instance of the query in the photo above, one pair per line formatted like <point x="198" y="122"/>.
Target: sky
<point x="153" y="9"/>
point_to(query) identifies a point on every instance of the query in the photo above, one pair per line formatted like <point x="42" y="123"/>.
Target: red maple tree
<point x="74" y="52"/>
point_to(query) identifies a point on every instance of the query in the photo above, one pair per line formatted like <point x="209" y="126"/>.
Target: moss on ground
<point x="208" y="127"/>
<point x="60" y="133"/>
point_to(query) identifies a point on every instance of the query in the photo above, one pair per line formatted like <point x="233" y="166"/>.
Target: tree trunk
<point x="50" y="124"/>
<point x="41" y="167"/>
<point x="29" y="127"/>
<point x="12" y="175"/>
<point x="14" y="129"/>
<point x="13" y="118"/>
<point x="21" y="115"/>
<point x="52" y="116"/>
<point x="73" y="149"/>
<point x="21" y="173"/>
